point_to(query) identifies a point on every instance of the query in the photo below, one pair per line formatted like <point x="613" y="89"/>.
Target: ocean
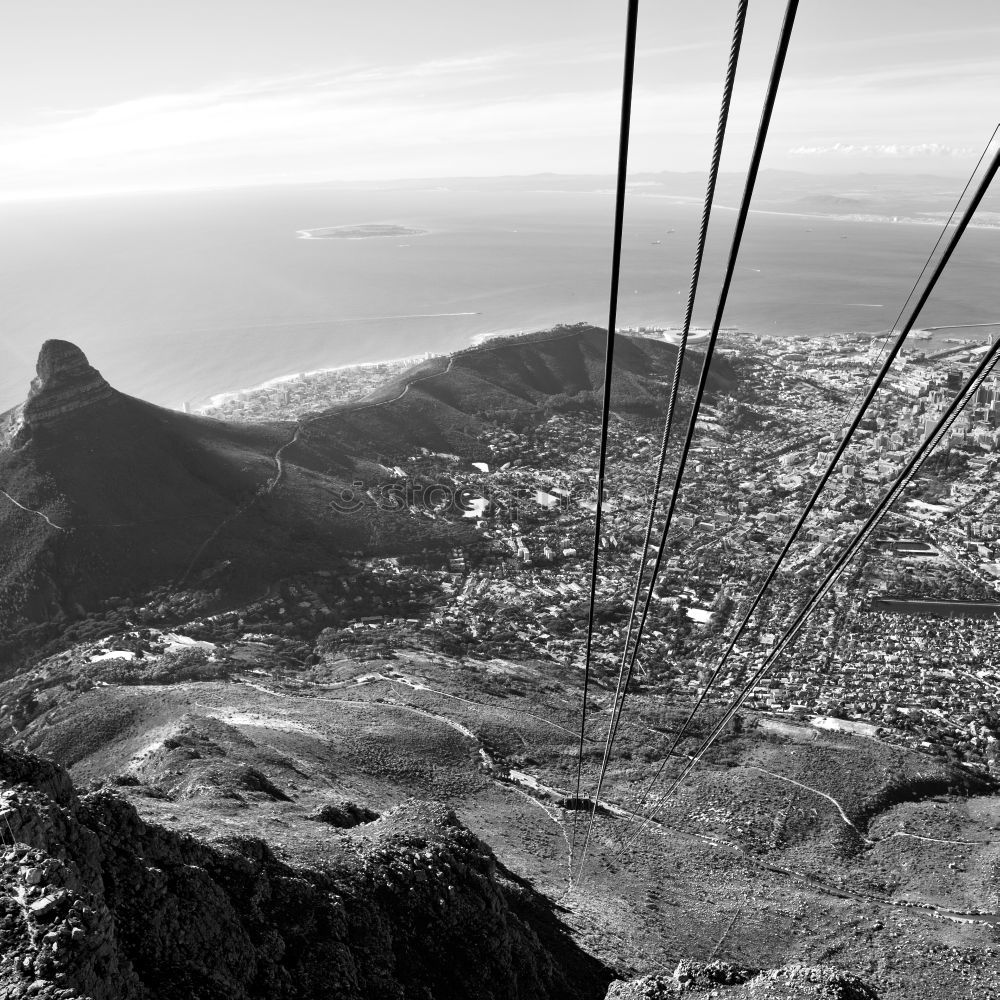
<point x="178" y="297"/>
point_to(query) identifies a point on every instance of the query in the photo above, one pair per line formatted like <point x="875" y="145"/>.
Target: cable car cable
<point x="911" y="468"/>
<point x="737" y="238"/>
<point x="616" y="254"/>
<point x="713" y="176"/>
<point x="938" y="270"/>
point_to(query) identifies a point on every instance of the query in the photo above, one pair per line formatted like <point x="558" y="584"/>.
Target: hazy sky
<point x="120" y="94"/>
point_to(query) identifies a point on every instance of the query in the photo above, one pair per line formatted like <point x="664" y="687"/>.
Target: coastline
<point x="478" y="339"/>
<point x="696" y="335"/>
<point x="889" y="220"/>
<point x="670" y="335"/>
<point x="933" y="339"/>
<point x="199" y="406"/>
<point x="221" y="398"/>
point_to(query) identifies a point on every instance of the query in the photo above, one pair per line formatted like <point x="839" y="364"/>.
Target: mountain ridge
<point x="107" y="495"/>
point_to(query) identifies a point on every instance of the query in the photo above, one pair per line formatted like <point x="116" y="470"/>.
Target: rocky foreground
<point x="724" y="981"/>
<point x="96" y="904"/>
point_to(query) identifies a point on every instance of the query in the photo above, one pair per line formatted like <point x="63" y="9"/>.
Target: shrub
<point x="170" y="668"/>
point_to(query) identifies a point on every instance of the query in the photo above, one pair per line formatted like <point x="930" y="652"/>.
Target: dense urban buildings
<point x="902" y="648"/>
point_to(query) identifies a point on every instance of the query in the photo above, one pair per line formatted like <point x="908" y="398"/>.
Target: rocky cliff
<point x="65" y="382"/>
<point x="96" y="904"/>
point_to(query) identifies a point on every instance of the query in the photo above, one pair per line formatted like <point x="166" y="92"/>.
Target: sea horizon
<point x="180" y="298"/>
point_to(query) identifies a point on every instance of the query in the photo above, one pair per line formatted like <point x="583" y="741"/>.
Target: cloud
<point x="885" y="149"/>
<point x="525" y="109"/>
<point x="431" y="117"/>
<point x="529" y="109"/>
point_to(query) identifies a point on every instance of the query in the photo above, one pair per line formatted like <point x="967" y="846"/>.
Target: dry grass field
<point x="791" y="845"/>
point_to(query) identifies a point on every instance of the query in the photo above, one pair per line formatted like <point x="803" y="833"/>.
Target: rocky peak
<point x="65" y="382"/>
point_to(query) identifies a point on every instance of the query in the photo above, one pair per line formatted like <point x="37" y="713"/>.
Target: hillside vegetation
<point x="117" y="496"/>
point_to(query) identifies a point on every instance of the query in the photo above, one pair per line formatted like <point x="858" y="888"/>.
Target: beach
<point x="293" y="396"/>
<point x="221" y="398"/>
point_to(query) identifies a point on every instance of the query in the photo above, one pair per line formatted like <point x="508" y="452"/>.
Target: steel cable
<point x="824" y="479"/>
<point x="911" y="468"/>
<point x="737" y="238"/>
<point x="616" y="255"/>
<point x="713" y="175"/>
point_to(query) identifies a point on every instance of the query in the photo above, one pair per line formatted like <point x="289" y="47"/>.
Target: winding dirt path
<point x="279" y="456"/>
<point x="815" y="791"/>
<point x="29" y="510"/>
<point x="406" y="388"/>
<point x="279" y="459"/>
<point x="932" y="840"/>
<point x="520" y="783"/>
<point x="420" y="686"/>
<point x="527" y="784"/>
<point x="272" y="484"/>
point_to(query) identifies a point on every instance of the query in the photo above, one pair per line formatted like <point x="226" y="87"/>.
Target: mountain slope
<point x="106" y="495"/>
<point x="444" y="404"/>
<point x="97" y="904"/>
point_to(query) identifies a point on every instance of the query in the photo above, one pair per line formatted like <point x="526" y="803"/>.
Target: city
<point x="900" y="652"/>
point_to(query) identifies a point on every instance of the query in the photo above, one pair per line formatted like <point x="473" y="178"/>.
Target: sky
<point x="115" y="95"/>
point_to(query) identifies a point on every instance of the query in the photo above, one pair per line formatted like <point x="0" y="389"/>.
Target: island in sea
<point x="365" y="232"/>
